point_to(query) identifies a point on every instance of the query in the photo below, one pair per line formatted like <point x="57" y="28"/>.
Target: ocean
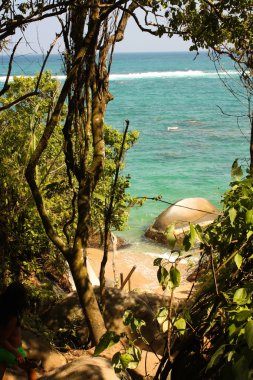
<point x="191" y="127"/>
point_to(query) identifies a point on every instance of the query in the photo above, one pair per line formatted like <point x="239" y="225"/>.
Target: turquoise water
<point x="188" y="123"/>
<point x="194" y="158"/>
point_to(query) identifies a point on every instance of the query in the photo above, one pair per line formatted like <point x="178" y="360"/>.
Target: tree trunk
<point x="89" y="304"/>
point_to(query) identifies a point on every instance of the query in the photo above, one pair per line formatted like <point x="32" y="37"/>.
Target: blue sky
<point x="134" y="41"/>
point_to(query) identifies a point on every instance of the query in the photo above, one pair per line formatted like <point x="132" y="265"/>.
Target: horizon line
<point x="116" y="52"/>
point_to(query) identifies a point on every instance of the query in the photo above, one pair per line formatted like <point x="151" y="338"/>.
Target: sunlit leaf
<point x="232" y="215"/>
<point x="238" y="260"/>
<point x="170" y="235"/>
<point x="180" y="324"/>
<point x="249" y="216"/>
<point x="193" y="235"/>
<point x="165" y="326"/>
<point x="241" y="296"/>
<point x="162" y="315"/>
<point x="249" y="234"/>
<point x="236" y="170"/>
<point x="175" y="277"/>
<point x="243" y="315"/>
<point x="135" y="323"/>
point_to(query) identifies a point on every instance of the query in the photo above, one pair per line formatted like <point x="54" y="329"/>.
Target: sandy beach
<point x="144" y="277"/>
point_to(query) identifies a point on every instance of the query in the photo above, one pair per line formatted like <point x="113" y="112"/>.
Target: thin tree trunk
<point x="89" y="304"/>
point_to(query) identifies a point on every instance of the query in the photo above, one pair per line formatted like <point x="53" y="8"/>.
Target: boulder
<point x="38" y="348"/>
<point x="86" y="367"/>
<point x="189" y="210"/>
<point x="144" y="306"/>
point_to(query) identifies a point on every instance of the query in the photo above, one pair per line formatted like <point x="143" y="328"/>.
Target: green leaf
<point x="136" y="354"/>
<point x="170" y="235"/>
<point x="243" y="315"/>
<point x="231" y="329"/>
<point x="163" y="277"/>
<point x="128" y="317"/>
<point x="249" y="234"/>
<point x="230" y="355"/>
<point x="249" y="216"/>
<point x="200" y="233"/>
<point x="157" y="262"/>
<point x="135" y="323"/>
<point x="99" y="196"/>
<point x="241" y="296"/>
<point x="175" y="277"/>
<point x="186" y="243"/>
<point x="193" y="235"/>
<point x="180" y="324"/>
<point x="249" y="334"/>
<point x="216" y="357"/>
<point x="129" y="359"/>
<point x="236" y="171"/>
<point x="116" y="362"/>
<point x="238" y="260"/>
<point x="108" y="339"/>
<point x="162" y="315"/>
<point x="232" y="215"/>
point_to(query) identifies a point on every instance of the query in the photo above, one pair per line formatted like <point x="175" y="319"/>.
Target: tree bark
<point x="89" y="304"/>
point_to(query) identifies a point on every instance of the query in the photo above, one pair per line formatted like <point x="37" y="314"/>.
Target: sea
<point x="191" y="113"/>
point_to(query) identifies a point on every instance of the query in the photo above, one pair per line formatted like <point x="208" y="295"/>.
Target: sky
<point x="40" y="36"/>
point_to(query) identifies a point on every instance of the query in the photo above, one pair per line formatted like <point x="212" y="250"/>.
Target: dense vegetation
<point x="214" y="340"/>
<point x="26" y="249"/>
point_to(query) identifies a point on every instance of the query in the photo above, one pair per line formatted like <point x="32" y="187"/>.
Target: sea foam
<point x="154" y="74"/>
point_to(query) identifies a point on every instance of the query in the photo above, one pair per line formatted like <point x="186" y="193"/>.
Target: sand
<point x="144" y="277"/>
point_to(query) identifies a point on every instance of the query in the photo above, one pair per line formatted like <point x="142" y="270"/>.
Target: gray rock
<point x="39" y="348"/>
<point x="88" y="368"/>
<point x="189" y="210"/>
<point x="144" y="306"/>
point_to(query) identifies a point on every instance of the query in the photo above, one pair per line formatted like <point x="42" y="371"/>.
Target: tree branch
<point x="6" y="83"/>
<point x="35" y="92"/>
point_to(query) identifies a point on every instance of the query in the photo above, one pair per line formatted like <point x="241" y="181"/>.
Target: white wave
<point x="3" y="78"/>
<point x="170" y="74"/>
<point x="149" y="75"/>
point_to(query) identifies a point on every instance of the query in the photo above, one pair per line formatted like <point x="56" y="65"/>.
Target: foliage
<point x="130" y="355"/>
<point x="230" y="237"/>
<point x="21" y="126"/>
<point x="221" y="317"/>
<point x="21" y="228"/>
<point x="18" y="14"/>
<point x="224" y="26"/>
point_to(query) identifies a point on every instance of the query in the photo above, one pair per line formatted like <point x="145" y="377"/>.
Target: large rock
<point x="144" y="306"/>
<point x="38" y="348"/>
<point x="189" y="210"/>
<point x="86" y="367"/>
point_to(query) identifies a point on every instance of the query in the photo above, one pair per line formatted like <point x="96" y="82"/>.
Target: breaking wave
<point x="159" y="74"/>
